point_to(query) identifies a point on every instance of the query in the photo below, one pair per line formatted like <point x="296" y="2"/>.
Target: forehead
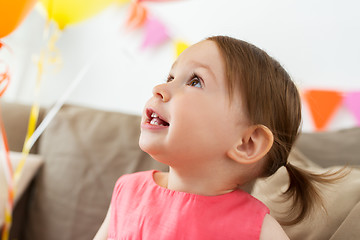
<point x="203" y="54"/>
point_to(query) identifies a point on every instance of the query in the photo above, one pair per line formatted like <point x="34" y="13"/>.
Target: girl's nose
<point x="162" y="92"/>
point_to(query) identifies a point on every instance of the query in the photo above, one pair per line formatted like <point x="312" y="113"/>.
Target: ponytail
<point x="304" y="191"/>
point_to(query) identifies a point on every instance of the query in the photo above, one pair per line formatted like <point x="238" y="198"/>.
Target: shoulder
<point x="255" y="206"/>
<point x="271" y="229"/>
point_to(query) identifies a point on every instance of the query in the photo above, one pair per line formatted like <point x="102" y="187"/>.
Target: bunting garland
<point x="180" y="46"/>
<point x="156" y="32"/>
<point x="323" y="105"/>
<point x="137" y="15"/>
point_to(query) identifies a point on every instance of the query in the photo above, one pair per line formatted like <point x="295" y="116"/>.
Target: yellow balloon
<point x="66" y="12"/>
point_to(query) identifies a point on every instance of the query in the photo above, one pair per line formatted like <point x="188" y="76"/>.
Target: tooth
<point x="154" y="121"/>
<point x="154" y="115"/>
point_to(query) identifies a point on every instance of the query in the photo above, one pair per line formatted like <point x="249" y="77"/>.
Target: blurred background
<point x="317" y="42"/>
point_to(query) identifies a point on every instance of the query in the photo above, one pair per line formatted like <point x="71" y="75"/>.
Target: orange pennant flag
<point x="137" y="15"/>
<point x="322" y="105"/>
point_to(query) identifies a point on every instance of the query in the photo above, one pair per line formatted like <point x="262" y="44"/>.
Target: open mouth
<point x="154" y="119"/>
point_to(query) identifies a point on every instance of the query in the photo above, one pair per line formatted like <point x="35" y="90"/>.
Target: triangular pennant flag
<point x="137" y="15"/>
<point x="322" y="105"/>
<point x="180" y="46"/>
<point x="352" y="102"/>
<point x="155" y="32"/>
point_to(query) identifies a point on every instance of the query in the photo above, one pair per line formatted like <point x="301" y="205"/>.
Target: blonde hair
<point x="271" y="98"/>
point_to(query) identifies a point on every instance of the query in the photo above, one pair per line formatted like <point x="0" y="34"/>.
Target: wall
<point x="316" y="41"/>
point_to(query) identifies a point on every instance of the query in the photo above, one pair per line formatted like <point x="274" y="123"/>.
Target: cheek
<point x="202" y="124"/>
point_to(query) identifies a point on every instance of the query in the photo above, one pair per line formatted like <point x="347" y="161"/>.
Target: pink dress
<point x="141" y="209"/>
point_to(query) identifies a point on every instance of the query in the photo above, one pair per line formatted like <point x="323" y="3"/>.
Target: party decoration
<point x="49" y="54"/>
<point x="352" y="102"/>
<point x="137" y="15"/>
<point x="155" y="32"/>
<point x="4" y="72"/>
<point x="5" y="157"/>
<point x="5" y="154"/>
<point x="4" y="79"/>
<point x="65" y="12"/>
<point x="12" y="13"/>
<point x="322" y="105"/>
<point x="180" y="46"/>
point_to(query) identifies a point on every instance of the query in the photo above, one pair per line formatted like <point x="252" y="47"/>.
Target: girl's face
<point x="189" y="120"/>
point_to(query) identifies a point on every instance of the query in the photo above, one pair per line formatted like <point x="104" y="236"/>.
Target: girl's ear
<point x="252" y="146"/>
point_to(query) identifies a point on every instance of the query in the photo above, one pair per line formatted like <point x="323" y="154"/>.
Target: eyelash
<point x="193" y="76"/>
<point x="169" y="78"/>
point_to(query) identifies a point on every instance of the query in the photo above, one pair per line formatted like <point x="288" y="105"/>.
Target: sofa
<point x="69" y="176"/>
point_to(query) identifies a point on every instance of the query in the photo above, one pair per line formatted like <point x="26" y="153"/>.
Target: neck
<point x="208" y="184"/>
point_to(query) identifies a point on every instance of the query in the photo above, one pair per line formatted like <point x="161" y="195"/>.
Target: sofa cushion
<point x="331" y="148"/>
<point x="340" y="198"/>
<point x="32" y="164"/>
<point x="85" y="152"/>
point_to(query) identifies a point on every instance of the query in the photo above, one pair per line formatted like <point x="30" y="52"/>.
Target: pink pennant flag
<point x="352" y="102"/>
<point x="155" y="32"/>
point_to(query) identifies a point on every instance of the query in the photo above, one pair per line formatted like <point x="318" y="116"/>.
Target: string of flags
<point x="156" y="33"/>
<point x="324" y="104"/>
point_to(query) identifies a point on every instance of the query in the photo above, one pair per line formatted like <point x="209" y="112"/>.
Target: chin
<point x="155" y="151"/>
<point x="148" y="147"/>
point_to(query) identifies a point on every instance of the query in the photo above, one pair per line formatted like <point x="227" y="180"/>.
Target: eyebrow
<point x="199" y="65"/>
<point x="207" y="67"/>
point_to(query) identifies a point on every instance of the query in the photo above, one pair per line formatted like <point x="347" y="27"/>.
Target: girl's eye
<point x="195" y="82"/>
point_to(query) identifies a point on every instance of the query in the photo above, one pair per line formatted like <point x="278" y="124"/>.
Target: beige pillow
<point x="331" y="148"/>
<point x="340" y="199"/>
<point x="32" y="164"/>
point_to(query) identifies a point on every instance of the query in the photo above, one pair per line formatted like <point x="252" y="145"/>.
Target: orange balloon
<point x="12" y="13"/>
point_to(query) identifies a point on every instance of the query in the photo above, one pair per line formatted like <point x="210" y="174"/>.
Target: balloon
<point x="66" y="12"/>
<point x="12" y="13"/>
